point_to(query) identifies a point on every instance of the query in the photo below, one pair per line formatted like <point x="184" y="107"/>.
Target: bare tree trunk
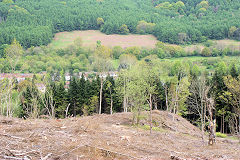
<point x="204" y="116"/>
<point x="221" y="129"/>
<point x="127" y="104"/>
<point x="138" y="116"/>
<point x="124" y="104"/>
<point x="150" y="106"/>
<point x="155" y="106"/>
<point x="66" y="111"/>
<point x="223" y="124"/>
<point x="202" y="121"/>
<point x="124" y="98"/>
<point x="74" y="109"/>
<point x="239" y="127"/>
<point x="202" y="129"/>
<point x="100" y="103"/>
<point x="111" y="108"/>
<point x="7" y="107"/>
<point x="166" y="97"/>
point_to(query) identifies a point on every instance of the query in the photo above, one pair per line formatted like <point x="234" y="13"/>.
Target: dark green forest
<point x="34" y="22"/>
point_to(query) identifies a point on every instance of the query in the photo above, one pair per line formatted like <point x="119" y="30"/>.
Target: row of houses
<point x="23" y="76"/>
<point x="87" y="75"/>
<point x="41" y="86"/>
<point x="91" y="75"/>
<point x="18" y="76"/>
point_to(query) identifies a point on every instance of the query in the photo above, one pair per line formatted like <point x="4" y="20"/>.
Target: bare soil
<point x="109" y="137"/>
<point x="227" y="43"/>
<point x="90" y="38"/>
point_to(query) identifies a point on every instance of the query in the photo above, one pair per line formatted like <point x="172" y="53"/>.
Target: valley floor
<point x="109" y="137"/>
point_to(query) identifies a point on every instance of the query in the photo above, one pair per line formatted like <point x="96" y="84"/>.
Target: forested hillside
<point x="34" y="22"/>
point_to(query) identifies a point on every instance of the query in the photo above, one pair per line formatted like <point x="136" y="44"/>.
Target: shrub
<point x="222" y="135"/>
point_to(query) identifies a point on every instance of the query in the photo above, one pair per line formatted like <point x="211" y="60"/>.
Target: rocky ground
<point x="109" y="137"/>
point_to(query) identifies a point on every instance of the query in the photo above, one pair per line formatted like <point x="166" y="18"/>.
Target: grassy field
<point x="198" y="58"/>
<point x="90" y="37"/>
<point x="204" y="63"/>
<point x="218" y="44"/>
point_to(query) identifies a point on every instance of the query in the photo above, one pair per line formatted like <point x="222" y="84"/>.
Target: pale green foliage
<point x="124" y="29"/>
<point x="178" y="90"/>
<point x="127" y="60"/>
<point x="18" y="9"/>
<point x="203" y="4"/>
<point x="165" y="5"/>
<point x="136" y="51"/>
<point x="117" y="51"/>
<point x="221" y="68"/>
<point x="78" y="42"/>
<point x="178" y="93"/>
<point x="222" y="135"/>
<point x="232" y="30"/>
<point x="102" y="59"/>
<point x="202" y="10"/>
<point x="140" y="86"/>
<point x="233" y="92"/>
<point x="103" y="51"/>
<point x="7" y="1"/>
<point x="206" y="52"/>
<point x="195" y="71"/>
<point x="145" y="27"/>
<point x="14" y="50"/>
<point x="63" y="2"/>
<point x="180" y="4"/>
<point x="172" y="6"/>
<point x="160" y="44"/>
<point x="100" y="21"/>
<point x="180" y="69"/>
<point x="13" y="53"/>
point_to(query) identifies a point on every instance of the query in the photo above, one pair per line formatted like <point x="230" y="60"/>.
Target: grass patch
<point x="147" y="127"/>
<point x="115" y="63"/>
<point x="90" y="37"/>
<point x="221" y="135"/>
<point x="232" y="137"/>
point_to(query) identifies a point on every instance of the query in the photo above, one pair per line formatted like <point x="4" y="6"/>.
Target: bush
<point x="147" y="127"/>
<point x="222" y="135"/>
<point x="208" y="43"/>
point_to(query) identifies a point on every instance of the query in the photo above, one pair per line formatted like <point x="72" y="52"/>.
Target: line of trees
<point x="34" y="23"/>
<point x="75" y="58"/>
<point x="181" y="88"/>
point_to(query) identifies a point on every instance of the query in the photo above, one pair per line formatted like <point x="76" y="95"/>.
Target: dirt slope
<point x="108" y="137"/>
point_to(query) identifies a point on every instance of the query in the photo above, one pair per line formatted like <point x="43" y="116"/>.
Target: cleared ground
<point x="218" y="44"/>
<point x="109" y="137"/>
<point x="90" y="37"/>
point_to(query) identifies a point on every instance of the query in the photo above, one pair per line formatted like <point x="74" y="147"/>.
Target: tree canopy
<point x="33" y="23"/>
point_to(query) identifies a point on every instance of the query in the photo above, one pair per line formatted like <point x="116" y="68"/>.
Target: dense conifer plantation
<point x="34" y="22"/>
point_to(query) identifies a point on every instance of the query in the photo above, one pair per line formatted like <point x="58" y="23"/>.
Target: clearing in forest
<point x="110" y="137"/>
<point x="218" y="44"/>
<point x="90" y="38"/>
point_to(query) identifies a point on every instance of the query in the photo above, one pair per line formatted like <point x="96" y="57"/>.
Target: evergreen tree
<point x="73" y="96"/>
<point x="233" y="71"/>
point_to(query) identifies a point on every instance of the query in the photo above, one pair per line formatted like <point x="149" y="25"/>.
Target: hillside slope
<point x="108" y="137"/>
<point x="34" y="22"/>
